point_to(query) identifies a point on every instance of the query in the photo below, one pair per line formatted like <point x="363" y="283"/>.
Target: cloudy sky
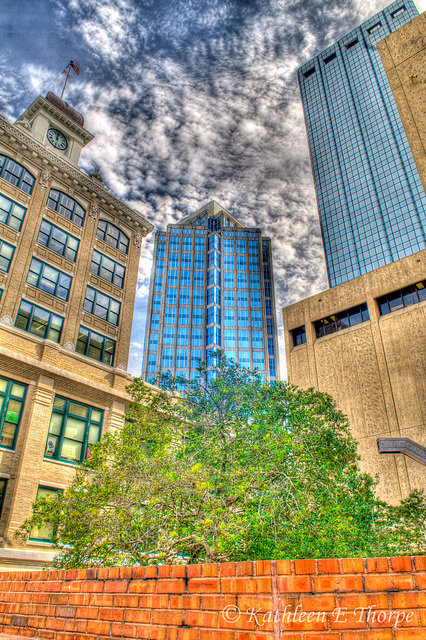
<point x="190" y="101"/>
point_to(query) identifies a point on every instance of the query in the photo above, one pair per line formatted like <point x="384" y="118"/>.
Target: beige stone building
<point x="364" y="341"/>
<point x="69" y="256"/>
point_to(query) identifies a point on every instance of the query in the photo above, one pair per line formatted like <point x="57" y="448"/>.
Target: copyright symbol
<point x="231" y="613"/>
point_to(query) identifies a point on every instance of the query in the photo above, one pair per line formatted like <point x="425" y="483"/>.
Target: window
<point x="228" y="245"/>
<point x="172" y="276"/>
<point x="240" y="234"/>
<point x="255" y="280"/>
<point x="213" y="335"/>
<point x="309" y="72"/>
<point x="197" y="337"/>
<point x="196" y="357"/>
<point x="342" y="320"/>
<point x="112" y="236"/>
<point x="299" y="336"/>
<point x="175" y="242"/>
<point x="199" y="244"/>
<point x="153" y="342"/>
<point x="3" y="487"/>
<point x="402" y="298"/>
<point x="58" y="240"/>
<point x="351" y="44"/>
<point x="228" y="279"/>
<point x="214" y="243"/>
<point x="169" y="335"/>
<point x="102" y="306"/>
<point x="272" y="368"/>
<point x="228" y="298"/>
<point x="156" y="302"/>
<point x="173" y="259"/>
<point x="267" y="289"/>
<point x="241" y="280"/>
<point x="213" y="295"/>
<point x="253" y="246"/>
<point x="269" y="326"/>
<point x="257" y="338"/>
<point x="170" y="315"/>
<point x="171" y="295"/>
<point x="159" y="267"/>
<point x="66" y="206"/>
<point x="228" y="262"/>
<point x="95" y="346"/>
<point x="184" y="315"/>
<point x="229" y="338"/>
<point x="242" y="299"/>
<point x="213" y="277"/>
<point x="186" y="260"/>
<point x="330" y="58"/>
<point x="199" y="261"/>
<point x="187" y="244"/>
<point x="185" y="296"/>
<point x="375" y="27"/>
<point x="268" y="307"/>
<point x="167" y="359"/>
<point x="39" y="322"/>
<point x="155" y="321"/>
<point x="152" y="362"/>
<point x="213" y="315"/>
<point x="244" y="359"/>
<point x="48" y="279"/>
<point x="243" y="340"/>
<point x="16" y="174"/>
<point x="12" y="399"/>
<point x="271" y="347"/>
<point x="243" y="318"/>
<point x="175" y="231"/>
<point x="6" y="255"/>
<point x="241" y="263"/>
<point x="44" y="534"/>
<point x="398" y="12"/>
<point x="185" y="278"/>
<point x="197" y="316"/>
<point x="214" y="259"/>
<point x="107" y="269"/>
<point x="230" y="354"/>
<point x="256" y="319"/>
<point x="255" y="299"/>
<point x="161" y="250"/>
<point x="181" y="358"/>
<point x="74" y="428"/>
<point x="254" y="263"/>
<point x="258" y="360"/>
<point x="158" y="283"/>
<point x="198" y="279"/>
<point x="183" y="337"/>
<point x="198" y="297"/>
<point x="11" y="213"/>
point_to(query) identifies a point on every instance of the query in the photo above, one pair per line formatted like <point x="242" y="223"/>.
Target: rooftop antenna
<point x="67" y="71"/>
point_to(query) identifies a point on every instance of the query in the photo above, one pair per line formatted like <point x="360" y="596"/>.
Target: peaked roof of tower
<point x="214" y="209"/>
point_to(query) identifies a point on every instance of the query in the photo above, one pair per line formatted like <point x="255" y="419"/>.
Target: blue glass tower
<point x="371" y="202"/>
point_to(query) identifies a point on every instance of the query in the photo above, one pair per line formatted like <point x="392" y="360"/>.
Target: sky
<point x="190" y="101"/>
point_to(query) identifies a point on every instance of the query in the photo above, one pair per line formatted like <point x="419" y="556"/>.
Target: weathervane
<point x="72" y="65"/>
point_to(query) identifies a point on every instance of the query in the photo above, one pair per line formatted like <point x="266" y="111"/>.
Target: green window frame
<point x="3" y="489"/>
<point x="107" y="269"/>
<point x="39" y="322"/>
<point x="44" y="534"/>
<point x="49" y="279"/>
<point x="112" y="235"/>
<point x="102" y="306"/>
<point x="12" y="401"/>
<point x="74" y="428"/>
<point x="93" y="345"/>
<point x="16" y="174"/>
<point x="12" y="214"/>
<point x="66" y="206"/>
<point x="6" y="255"/>
<point x="57" y="240"/>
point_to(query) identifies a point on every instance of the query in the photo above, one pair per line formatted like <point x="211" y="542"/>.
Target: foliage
<point x="234" y="470"/>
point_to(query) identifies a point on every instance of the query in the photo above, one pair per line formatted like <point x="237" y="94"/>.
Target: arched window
<point x="16" y="174"/>
<point x="112" y="236"/>
<point x="66" y="206"/>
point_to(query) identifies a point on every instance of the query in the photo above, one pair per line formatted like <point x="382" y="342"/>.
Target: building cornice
<point x="17" y="136"/>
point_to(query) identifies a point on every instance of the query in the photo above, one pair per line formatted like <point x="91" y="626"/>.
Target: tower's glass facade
<point x="211" y="288"/>
<point x="371" y="202"/>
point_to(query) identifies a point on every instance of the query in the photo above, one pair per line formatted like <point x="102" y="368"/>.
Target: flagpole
<point x="73" y="64"/>
<point x="66" y="79"/>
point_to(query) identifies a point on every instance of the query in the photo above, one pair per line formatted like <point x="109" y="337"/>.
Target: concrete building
<point x="212" y="287"/>
<point x="363" y="341"/>
<point x="69" y="256"/>
<point x="371" y="202"/>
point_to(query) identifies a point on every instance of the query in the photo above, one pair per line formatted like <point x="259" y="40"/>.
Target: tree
<point x="232" y="470"/>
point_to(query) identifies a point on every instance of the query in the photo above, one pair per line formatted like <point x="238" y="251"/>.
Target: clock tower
<point x="57" y="126"/>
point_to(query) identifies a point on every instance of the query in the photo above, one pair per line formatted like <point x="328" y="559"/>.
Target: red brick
<point x="409" y="634"/>
<point x="388" y="583"/>
<point x="138" y="615"/>
<point x="264" y="585"/>
<point x="81" y="599"/>
<point x="161" y="616"/>
<point x="116" y="587"/>
<point x="347" y="620"/>
<point x="62" y="611"/>
<point x="180" y="571"/>
<point x="201" y="619"/>
<point x="253" y="602"/>
<point x="304" y="566"/>
<point x="227" y="569"/>
<point x="339" y="583"/>
<point x="126" y="630"/>
<point x="243" y="635"/>
<point x="165" y="571"/>
<point x="319" y="603"/>
<point x="92" y="587"/>
<point x="87" y="612"/>
<point x="352" y="565"/>
<point x="409" y="600"/>
<point x="204" y="585"/>
<point x="184" y="602"/>
<point x="283" y="567"/>
<point x="59" y="598"/>
<point x="377" y="565"/>
<point x="46" y="610"/>
<point x="138" y="572"/>
<point x="138" y="586"/>
<point x="71" y="587"/>
<point x="126" y="600"/>
<point x="210" y="570"/>
<point x="421" y="581"/>
<point x="126" y="573"/>
<point x="393" y="619"/>
<point x="154" y="602"/>
<point x="113" y="614"/>
<point x="187" y="634"/>
<point x="194" y="570"/>
<point x="52" y="586"/>
<point x="57" y="624"/>
<point x="263" y="568"/>
<point x="217" y="603"/>
<point x="245" y="621"/>
<point x="170" y="586"/>
<point x="351" y="602"/>
<point x="366" y="635"/>
<point x="328" y="566"/>
<point x="403" y="563"/>
<point x="238" y="585"/>
<point x="420" y="562"/>
<point x="244" y="568"/>
<point x="158" y="633"/>
<point x="210" y="634"/>
<point x="151" y="572"/>
<point x="76" y="626"/>
<point x="101" y="600"/>
<point x="294" y="584"/>
<point x="98" y="628"/>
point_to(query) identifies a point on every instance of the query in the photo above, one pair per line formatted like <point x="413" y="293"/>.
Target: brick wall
<point x="350" y="599"/>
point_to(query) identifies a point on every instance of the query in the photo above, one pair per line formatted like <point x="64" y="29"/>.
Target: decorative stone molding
<point x="94" y="212"/>
<point x="122" y="367"/>
<point x="7" y="320"/>
<point x="137" y="240"/>
<point x="43" y="396"/>
<point x="45" y="179"/>
<point x="69" y="346"/>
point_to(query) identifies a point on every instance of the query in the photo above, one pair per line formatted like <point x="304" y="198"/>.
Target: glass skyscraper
<point x="211" y="288"/>
<point x="371" y="202"/>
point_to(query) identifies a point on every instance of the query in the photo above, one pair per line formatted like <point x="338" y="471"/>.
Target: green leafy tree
<point x="232" y="470"/>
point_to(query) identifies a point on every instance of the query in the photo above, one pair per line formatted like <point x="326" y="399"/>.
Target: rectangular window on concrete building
<point x="402" y="298"/>
<point x="57" y="240"/>
<point x="102" y="306"/>
<point x="95" y="346"/>
<point x="299" y="336"/>
<point x="39" y="322"/>
<point x="107" y="269"/>
<point x="44" y="534"/>
<point x="342" y="320"/>
<point x="74" y="428"/>
<point x="48" y="279"/>
<point x="12" y="399"/>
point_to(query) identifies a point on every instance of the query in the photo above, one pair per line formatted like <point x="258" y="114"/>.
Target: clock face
<point x="57" y="139"/>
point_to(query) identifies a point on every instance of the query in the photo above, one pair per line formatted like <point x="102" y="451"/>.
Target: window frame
<point x="58" y="284"/>
<point x="74" y="217"/>
<point x="119" y="241"/>
<point x="88" y="345"/>
<point x="114" y="275"/>
<point x="94" y="303"/>
<point x="23" y="174"/>
<point x="7" y="395"/>
<point x="49" y="236"/>
<point x="10" y="246"/>
<point x="10" y="215"/>
<point x="30" y="318"/>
